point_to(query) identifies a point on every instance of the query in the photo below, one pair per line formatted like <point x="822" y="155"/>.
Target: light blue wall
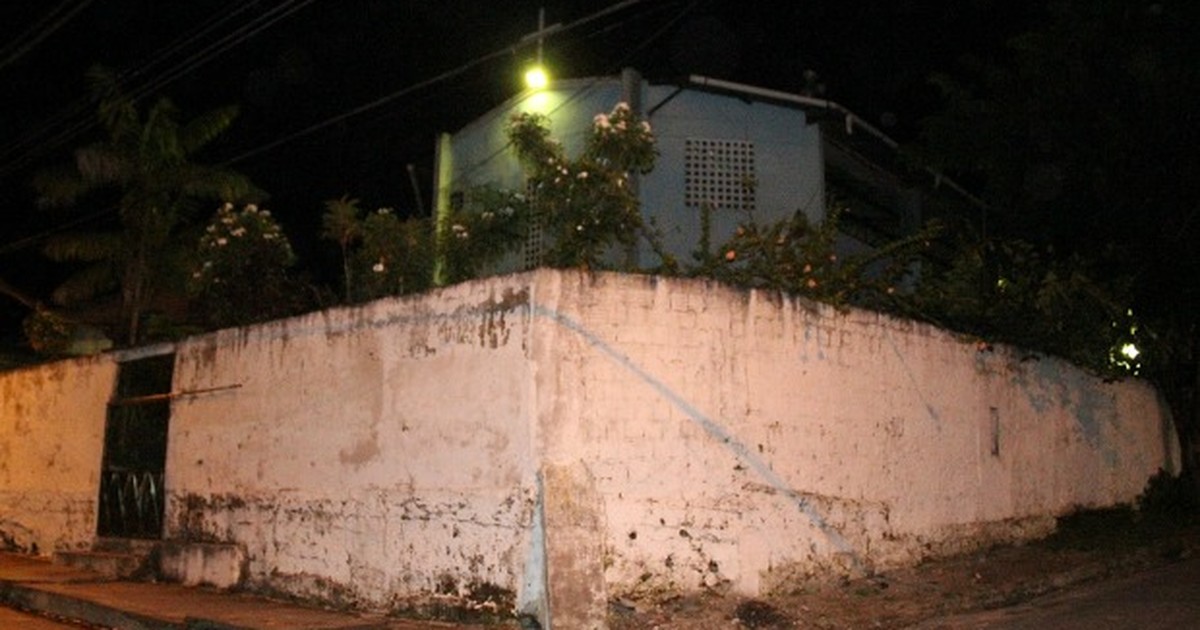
<point x="788" y="162"/>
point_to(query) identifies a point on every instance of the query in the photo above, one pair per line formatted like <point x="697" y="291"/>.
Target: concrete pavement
<point x="37" y="584"/>
<point x="1163" y="598"/>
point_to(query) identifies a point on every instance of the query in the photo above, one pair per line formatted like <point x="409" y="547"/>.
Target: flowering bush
<point x="241" y="271"/>
<point x="586" y="204"/>
<point x="394" y="257"/>
<point x="800" y="258"/>
<point x="491" y="224"/>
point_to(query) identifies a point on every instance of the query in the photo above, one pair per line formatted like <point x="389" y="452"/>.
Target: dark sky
<point x="295" y="64"/>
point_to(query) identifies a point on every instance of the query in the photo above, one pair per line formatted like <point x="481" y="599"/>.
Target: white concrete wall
<point x="51" y="441"/>
<point x="735" y="440"/>
<point x="367" y="454"/>
<point x="669" y="434"/>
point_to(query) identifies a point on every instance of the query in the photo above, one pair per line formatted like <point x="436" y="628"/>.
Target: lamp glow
<point x="536" y="78"/>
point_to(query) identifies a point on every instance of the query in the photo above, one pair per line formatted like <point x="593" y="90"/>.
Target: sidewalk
<point x="37" y="584"/>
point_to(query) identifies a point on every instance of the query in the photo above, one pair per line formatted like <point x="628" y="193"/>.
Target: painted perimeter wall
<point x="601" y="434"/>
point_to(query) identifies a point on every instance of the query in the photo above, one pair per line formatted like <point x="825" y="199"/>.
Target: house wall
<point x="51" y="443"/>
<point x="789" y="175"/>
<point x="368" y="454"/>
<point x="600" y="433"/>
<point x="734" y="439"/>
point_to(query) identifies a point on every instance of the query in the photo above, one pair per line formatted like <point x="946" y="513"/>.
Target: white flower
<point x="646" y="126"/>
<point x="222" y="241"/>
<point x="488" y="216"/>
<point x="384" y="211"/>
<point x="207" y="264"/>
<point x="601" y="121"/>
<point x="582" y="175"/>
<point x="238" y="232"/>
<point x="378" y="267"/>
<point x="251" y="208"/>
<point x="270" y="236"/>
<point x="459" y="230"/>
<point x="211" y="228"/>
<point x="228" y="207"/>
<point x="621" y="107"/>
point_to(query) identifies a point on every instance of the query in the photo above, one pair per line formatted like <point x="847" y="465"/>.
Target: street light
<point x="536" y="78"/>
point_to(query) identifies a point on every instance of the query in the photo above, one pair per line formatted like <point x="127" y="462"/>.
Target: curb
<point x="30" y="598"/>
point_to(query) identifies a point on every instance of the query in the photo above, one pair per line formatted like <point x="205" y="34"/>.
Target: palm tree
<point x="145" y="160"/>
<point x="343" y="223"/>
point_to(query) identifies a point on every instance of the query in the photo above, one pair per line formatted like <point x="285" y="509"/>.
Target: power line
<point x="449" y="74"/>
<point x="28" y="40"/>
<point x="75" y="111"/>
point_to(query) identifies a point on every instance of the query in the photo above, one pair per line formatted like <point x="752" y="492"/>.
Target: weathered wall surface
<point x="604" y="434"/>
<point x="51" y="441"/>
<point x="367" y="454"/>
<point x="735" y="439"/>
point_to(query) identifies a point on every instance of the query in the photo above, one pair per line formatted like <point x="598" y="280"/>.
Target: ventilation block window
<point x="719" y="174"/>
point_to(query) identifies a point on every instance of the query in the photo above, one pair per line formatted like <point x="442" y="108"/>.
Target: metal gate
<point x="135" y="450"/>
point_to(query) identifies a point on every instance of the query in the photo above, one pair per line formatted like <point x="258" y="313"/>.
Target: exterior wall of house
<point x="51" y="442"/>
<point x="736" y="440"/>
<point x="579" y="436"/>
<point x="788" y="172"/>
<point x="367" y="454"/>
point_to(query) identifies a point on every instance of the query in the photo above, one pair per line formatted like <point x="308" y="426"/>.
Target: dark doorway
<point x="135" y="450"/>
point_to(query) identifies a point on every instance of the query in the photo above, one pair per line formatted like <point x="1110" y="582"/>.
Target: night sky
<point x="294" y="65"/>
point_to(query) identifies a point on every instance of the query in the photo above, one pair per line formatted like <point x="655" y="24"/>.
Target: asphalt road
<point x="1165" y="598"/>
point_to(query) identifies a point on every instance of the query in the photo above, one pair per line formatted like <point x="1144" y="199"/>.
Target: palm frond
<point x="159" y="140"/>
<point x="99" y="165"/>
<point x="87" y="284"/>
<point x="88" y="247"/>
<point x="214" y="182"/>
<point x="117" y="111"/>
<point x="60" y="186"/>
<point x="205" y="128"/>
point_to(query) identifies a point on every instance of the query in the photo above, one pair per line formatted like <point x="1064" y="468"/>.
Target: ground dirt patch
<point x="1087" y="547"/>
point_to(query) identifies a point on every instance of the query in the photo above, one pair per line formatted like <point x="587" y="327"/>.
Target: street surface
<point x="1164" y="598"/>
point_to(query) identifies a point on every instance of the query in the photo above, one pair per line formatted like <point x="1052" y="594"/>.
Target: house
<point x="741" y="151"/>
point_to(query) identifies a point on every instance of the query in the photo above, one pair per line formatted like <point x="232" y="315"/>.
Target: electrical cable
<point x="35" y="37"/>
<point x="449" y="74"/>
<point x="179" y="69"/>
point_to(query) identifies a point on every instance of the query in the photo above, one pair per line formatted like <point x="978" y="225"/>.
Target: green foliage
<point x="395" y="257"/>
<point x="797" y="257"/>
<point x="145" y="160"/>
<point x="47" y="332"/>
<point x="342" y="223"/>
<point x="1169" y="497"/>
<point x="492" y="224"/>
<point x="586" y="205"/>
<point x="1007" y="290"/>
<point x="240" y="275"/>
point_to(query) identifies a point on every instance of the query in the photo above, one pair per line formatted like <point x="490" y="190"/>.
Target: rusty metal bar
<point x="150" y="398"/>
